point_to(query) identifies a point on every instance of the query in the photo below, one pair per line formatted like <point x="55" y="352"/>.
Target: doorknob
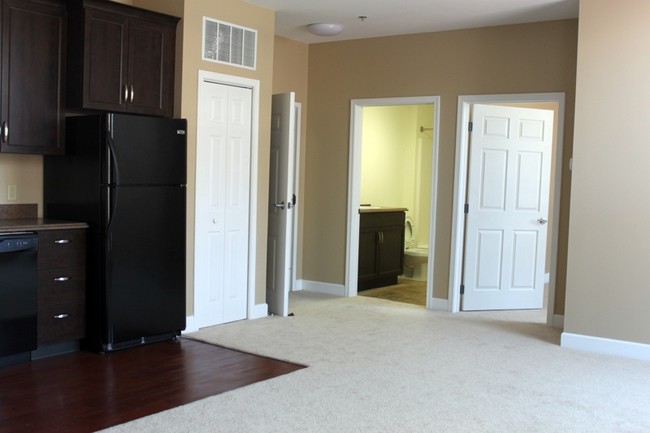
<point x="279" y="205"/>
<point x="542" y="221"/>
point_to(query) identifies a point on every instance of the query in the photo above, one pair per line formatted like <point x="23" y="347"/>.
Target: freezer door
<point x="147" y="150"/>
<point x="145" y="266"/>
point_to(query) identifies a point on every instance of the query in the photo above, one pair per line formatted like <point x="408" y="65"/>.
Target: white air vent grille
<point x="228" y="43"/>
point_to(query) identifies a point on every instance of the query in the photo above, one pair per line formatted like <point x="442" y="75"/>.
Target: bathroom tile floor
<point x="406" y="290"/>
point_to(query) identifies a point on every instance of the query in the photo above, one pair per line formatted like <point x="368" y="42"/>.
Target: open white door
<point x="281" y="202"/>
<point x="508" y="202"/>
<point x="223" y="158"/>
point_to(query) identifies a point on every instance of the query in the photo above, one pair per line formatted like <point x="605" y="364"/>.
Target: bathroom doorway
<point x="393" y="164"/>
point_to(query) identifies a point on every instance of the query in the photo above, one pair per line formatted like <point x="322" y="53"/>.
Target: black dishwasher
<point x="18" y="295"/>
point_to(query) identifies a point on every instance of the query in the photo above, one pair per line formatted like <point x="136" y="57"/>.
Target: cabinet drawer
<point x="61" y="248"/>
<point x="61" y="323"/>
<point x="377" y="219"/>
<point x="61" y="286"/>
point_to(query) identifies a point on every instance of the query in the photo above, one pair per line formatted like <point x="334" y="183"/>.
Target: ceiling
<point x="387" y="18"/>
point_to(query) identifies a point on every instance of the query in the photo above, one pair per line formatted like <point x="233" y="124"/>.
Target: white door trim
<point x="460" y="186"/>
<point x="354" y="186"/>
<point x="205" y="77"/>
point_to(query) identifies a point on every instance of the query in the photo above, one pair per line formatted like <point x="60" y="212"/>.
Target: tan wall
<point x="290" y="62"/>
<point x="609" y="243"/>
<point x="244" y="14"/>
<point x="26" y="172"/>
<point x="528" y="58"/>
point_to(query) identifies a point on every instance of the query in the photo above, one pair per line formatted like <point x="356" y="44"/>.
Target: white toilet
<point x="415" y="257"/>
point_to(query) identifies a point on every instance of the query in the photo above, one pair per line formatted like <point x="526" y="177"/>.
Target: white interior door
<point x="281" y="201"/>
<point x="222" y="203"/>
<point x="508" y="202"/>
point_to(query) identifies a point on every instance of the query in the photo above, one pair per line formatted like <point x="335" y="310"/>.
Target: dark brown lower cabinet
<point x="381" y="249"/>
<point x="61" y="287"/>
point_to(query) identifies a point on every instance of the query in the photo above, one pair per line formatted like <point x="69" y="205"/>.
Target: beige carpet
<point x="379" y="366"/>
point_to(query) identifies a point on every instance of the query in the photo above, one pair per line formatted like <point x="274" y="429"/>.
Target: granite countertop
<point x="37" y="224"/>
<point x="373" y="209"/>
<point x="22" y="217"/>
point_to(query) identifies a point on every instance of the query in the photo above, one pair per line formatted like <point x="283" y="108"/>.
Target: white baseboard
<point x="439" y="304"/>
<point x="627" y="349"/>
<point x="258" y="311"/>
<point x="325" y="288"/>
<point x="190" y="325"/>
<point x="558" y="321"/>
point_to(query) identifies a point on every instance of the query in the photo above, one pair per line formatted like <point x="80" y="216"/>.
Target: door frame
<point x="460" y="186"/>
<point x="295" y="248"/>
<point x="354" y="187"/>
<point x="206" y="78"/>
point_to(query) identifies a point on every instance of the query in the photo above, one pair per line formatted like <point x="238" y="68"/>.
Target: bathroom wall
<point x="424" y="161"/>
<point x="388" y="146"/>
<point x="396" y="162"/>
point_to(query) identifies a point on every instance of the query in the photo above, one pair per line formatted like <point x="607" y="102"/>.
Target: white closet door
<point x="222" y="203"/>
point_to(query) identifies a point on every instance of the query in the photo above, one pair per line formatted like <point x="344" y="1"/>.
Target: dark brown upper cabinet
<point x="33" y="35"/>
<point x="121" y="58"/>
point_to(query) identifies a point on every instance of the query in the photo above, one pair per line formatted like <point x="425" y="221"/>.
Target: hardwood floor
<point x="84" y="392"/>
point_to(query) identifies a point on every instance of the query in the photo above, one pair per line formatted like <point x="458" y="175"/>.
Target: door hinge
<point x="462" y="289"/>
<point x="470" y="126"/>
<point x="466" y="209"/>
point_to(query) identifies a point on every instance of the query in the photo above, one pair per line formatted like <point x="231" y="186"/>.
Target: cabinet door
<point x="128" y="58"/>
<point x="391" y="250"/>
<point x="32" y="112"/>
<point x="150" y="65"/>
<point x="368" y="252"/>
<point x="105" y="69"/>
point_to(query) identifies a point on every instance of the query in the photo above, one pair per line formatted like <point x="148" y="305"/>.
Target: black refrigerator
<point x="125" y="175"/>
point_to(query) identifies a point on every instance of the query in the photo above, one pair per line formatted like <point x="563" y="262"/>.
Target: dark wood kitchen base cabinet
<point x="121" y="58"/>
<point x="33" y="40"/>
<point x="61" y="285"/>
<point x="381" y="249"/>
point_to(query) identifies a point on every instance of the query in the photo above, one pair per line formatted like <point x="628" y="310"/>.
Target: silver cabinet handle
<point x="5" y="132"/>
<point x="62" y="241"/>
<point x="279" y="205"/>
<point x="126" y="93"/>
<point x="132" y="94"/>
<point x="542" y="221"/>
<point x="61" y="279"/>
<point x="62" y="316"/>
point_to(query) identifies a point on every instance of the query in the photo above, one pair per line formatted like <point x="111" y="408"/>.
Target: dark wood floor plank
<point x="85" y="392"/>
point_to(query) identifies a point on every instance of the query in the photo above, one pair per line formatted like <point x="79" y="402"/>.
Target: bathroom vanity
<point x="381" y="246"/>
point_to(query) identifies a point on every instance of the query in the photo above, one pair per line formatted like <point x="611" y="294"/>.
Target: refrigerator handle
<point x="111" y="206"/>
<point x="113" y="168"/>
<point x="113" y="173"/>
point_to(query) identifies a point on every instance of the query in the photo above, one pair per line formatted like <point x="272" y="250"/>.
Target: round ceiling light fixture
<point x="324" y="29"/>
